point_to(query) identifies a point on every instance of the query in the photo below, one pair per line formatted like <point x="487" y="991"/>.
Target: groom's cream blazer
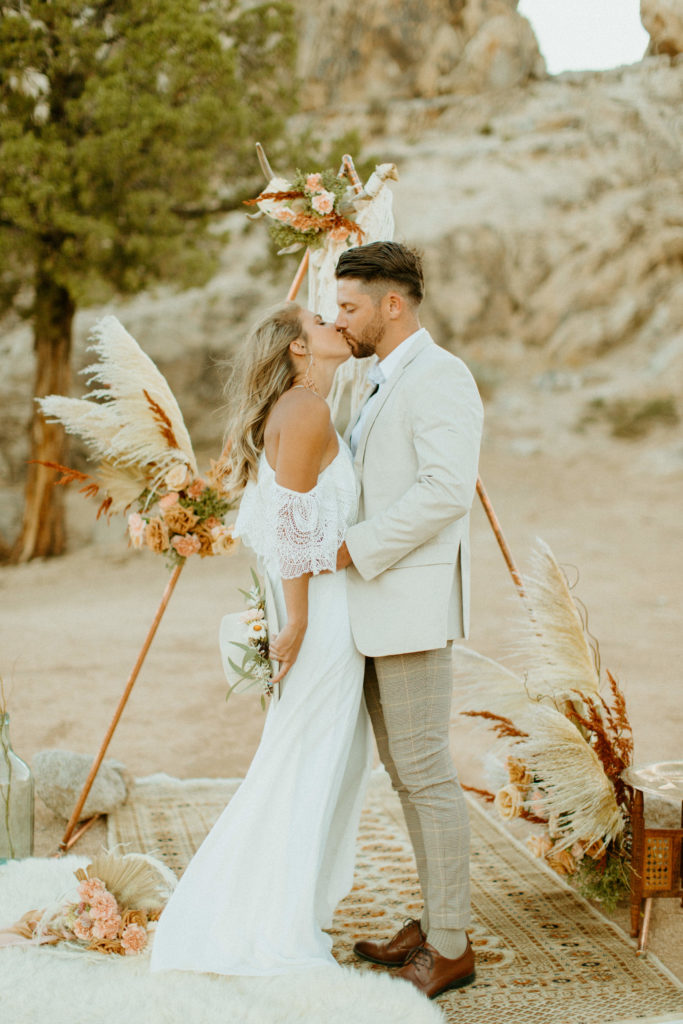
<point x="416" y="462"/>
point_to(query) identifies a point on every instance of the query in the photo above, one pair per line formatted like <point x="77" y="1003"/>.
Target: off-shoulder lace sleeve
<point x="307" y="531"/>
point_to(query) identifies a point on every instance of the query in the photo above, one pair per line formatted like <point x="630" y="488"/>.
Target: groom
<point x="416" y="447"/>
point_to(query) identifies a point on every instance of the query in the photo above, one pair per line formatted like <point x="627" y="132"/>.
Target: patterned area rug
<point x="544" y="956"/>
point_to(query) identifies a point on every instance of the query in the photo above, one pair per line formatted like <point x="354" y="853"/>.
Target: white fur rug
<point x="55" y="986"/>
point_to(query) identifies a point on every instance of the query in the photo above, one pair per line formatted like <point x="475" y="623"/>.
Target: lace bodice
<point x="293" y="532"/>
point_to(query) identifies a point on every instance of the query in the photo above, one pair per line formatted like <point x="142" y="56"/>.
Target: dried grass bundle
<point x="558" y="658"/>
<point x="131" y="422"/>
<point x="578" y="795"/>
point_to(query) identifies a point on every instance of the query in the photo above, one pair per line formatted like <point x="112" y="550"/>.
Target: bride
<point x="263" y="886"/>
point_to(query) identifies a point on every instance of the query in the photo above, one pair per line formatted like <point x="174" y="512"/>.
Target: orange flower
<point x="180" y="520"/>
<point x="518" y="773"/>
<point x="156" y="534"/>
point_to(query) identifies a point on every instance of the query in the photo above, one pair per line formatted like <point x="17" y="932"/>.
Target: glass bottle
<point x="16" y="799"/>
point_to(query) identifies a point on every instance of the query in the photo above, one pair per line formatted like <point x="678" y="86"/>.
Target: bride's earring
<point x="307" y="381"/>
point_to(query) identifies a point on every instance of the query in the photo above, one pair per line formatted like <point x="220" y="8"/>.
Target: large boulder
<point x="60" y="776"/>
<point x="380" y="51"/>
<point x="663" y="20"/>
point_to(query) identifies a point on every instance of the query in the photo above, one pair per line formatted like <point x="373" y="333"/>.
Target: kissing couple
<point x="365" y="543"/>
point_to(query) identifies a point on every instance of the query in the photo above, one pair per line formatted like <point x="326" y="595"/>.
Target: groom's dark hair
<point x="385" y="264"/>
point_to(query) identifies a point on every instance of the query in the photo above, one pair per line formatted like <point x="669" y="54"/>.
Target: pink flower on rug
<point x="83" y="927"/>
<point x="168" y="500"/>
<point x="187" y="545"/>
<point x="91" y="889"/>
<point x="107" y="927"/>
<point x="133" y="939"/>
<point x="136" y="529"/>
<point x="314" y="183"/>
<point x="323" y="203"/>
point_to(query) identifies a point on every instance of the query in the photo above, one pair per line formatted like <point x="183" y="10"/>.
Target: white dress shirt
<point x="379" y="374"/>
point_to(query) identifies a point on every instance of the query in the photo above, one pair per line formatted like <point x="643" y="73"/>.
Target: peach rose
<point x="562" y="862"/>
<point x="133" y="939"/>
<point x="539" y="845"/>
<point x="168" y="500"/>
<point x="314" y="183"/>
<point x="156" y="534"/>
<point x="323" y="202"/>
<point x="197" y="487"/>
<point x="518" y="773"/>
<point x="508" y="802"/>
<point x="177" y="477"/>
<point x="179" y="519"/>
<point x="203" y="534"/>
<point x="187" y="545"/>
<point x="284" y="215"/>
<point x="136" y="529"/>
<point x="222" y="540"/>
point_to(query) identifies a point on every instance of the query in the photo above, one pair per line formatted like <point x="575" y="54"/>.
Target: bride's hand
<point x="285" y="648"/>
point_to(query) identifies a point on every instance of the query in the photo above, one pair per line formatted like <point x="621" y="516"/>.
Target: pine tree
<point x="120" y="123"/>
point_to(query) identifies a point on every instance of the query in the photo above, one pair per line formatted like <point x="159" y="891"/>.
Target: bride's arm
<point x="304" y="435"/>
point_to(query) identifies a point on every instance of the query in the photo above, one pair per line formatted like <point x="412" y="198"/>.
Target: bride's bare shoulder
<point x="300" y="407"/>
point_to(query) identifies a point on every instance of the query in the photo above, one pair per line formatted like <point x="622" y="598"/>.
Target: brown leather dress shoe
<point x="393" y="952"/>
<point x="433" y="974"/>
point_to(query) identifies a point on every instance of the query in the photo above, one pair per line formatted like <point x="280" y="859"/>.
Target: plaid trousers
<point x="408" y="697"/>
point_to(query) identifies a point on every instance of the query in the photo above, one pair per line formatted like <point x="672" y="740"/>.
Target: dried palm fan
<point x="552" y="716"/>
<point x="131" y="422"/>
<point x="134" y="879"/>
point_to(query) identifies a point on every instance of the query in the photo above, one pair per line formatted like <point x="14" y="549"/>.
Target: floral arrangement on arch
<point x="116" y="901"/>
<point x="308" y="210"/>
<point x="132" y="424"/>
<point x="566" y="743"/>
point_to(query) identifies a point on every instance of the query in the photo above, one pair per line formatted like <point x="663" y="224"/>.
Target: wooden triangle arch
<point x="72" y="834"/>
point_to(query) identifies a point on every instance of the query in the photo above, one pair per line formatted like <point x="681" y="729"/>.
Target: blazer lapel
<point x="385" y="390"/>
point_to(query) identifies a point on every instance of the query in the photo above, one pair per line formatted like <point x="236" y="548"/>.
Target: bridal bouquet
<point x="308" y="210"/>
<point x="132" y="424"/>
<point x="567" y="744"/>
<point x="115" y="902"/>
<point x="247" y="632"/>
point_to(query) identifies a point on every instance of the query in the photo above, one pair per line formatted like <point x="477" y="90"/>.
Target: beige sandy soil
<point x="71" y="628"/>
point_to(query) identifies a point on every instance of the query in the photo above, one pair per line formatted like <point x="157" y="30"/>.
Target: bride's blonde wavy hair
<point x="262" y="372"/>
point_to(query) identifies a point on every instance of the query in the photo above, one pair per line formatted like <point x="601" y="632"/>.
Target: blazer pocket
<point x="429" y="554"/>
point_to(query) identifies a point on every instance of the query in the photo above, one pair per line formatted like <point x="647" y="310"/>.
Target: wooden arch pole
<point x="69" y="838"/>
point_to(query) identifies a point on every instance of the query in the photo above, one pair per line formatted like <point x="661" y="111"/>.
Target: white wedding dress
<point x="264" y="884"/>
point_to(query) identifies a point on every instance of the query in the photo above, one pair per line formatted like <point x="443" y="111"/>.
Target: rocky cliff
<point x="551" y="218"/>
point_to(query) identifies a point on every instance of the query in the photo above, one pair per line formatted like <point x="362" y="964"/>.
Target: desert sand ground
<point x="71" y="627"/>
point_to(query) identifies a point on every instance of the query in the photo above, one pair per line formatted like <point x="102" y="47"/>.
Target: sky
<point x="576" y="35"/>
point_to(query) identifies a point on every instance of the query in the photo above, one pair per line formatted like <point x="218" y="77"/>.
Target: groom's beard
<point x="369" y="338"/>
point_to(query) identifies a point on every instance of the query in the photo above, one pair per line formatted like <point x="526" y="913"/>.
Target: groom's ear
<point x="394" y="304"/>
